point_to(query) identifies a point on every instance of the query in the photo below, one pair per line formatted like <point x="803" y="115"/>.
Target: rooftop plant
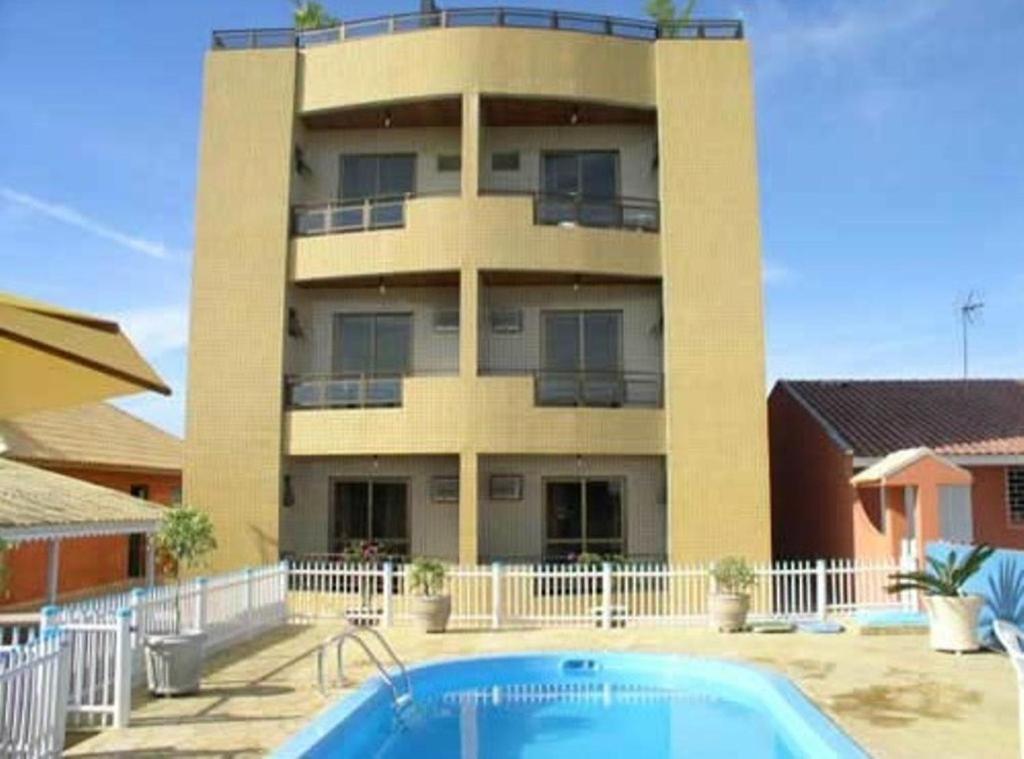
<point x="733" y="575"/>
<point x="426" y="577"/>
<point x="670" y="19"/>
<point x="945" y="578"/>
<point x="312" y="15"/>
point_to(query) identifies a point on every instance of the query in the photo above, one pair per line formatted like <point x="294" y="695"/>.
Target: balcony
<point x="591" y="389"/>
<point x="513" y="18"/>
<point x="334" y="217"/>
<point x="328" y="391"/>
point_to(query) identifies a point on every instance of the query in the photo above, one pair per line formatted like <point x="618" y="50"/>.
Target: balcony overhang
<point x="418" y="113"/>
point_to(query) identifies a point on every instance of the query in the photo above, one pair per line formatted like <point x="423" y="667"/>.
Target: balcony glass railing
<point x="594" y="389"/>
<point x="575" y="210"/>
<point x="336" y="216"/>
<point x="322" y="391"/>
<point x="519" y="18"/>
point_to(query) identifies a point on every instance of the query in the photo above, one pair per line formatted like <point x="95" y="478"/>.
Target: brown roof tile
<point x="876" y="417"/>
<point x="96" y="434"/>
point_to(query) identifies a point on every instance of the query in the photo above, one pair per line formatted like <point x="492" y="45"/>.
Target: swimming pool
<point x="578" y="704"/>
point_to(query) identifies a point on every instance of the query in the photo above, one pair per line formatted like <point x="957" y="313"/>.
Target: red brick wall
<point x="85" y="563"/>
<point x="812" y="499"/>
<point x="990" y="511"/>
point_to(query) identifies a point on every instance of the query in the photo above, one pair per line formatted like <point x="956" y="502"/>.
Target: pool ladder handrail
<point x="355" y="633"/>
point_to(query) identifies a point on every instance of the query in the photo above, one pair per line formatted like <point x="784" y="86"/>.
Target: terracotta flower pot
<point x="431" y="613"/>
<point x="953" y="622"/>
<point x="729" y="611"/>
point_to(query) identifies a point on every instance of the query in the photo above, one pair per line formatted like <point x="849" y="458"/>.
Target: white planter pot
<point x="431" y="613"/>
<point x="953" y="622"/>
<point x="174" y="663"/>
<point x="729" y="611"/>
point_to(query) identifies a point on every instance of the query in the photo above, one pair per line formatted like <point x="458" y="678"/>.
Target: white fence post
<point x="821" y="588"/>
<point x="909" y="597"/>
<point x="47" y="618"/>
<point x="123" y="669"/>
<point x="200" y="604"/>
<point x="285" y="576"/>
<point x="137" y="623"/>
<point x="389" y="576"/>
<point x="606" y="595"/>
<point x="496" y="601"/>
<point x="63" y="687"/>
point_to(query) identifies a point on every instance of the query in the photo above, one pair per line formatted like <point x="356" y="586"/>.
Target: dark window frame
<point x="1015" y="496"/>
<point x="583" y="540"/>
<point x="378" y="157"/>
<point x="512" y="157"/>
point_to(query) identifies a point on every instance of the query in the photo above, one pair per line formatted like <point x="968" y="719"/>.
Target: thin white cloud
<point x="75" y="218"/>
<point x="156" y="330"/>
<point x="774" y="273"/>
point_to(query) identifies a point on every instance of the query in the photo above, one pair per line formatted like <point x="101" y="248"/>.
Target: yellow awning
<point x="51" y="357"/>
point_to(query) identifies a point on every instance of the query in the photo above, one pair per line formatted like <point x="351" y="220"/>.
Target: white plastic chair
<point x="1012" y="638"/>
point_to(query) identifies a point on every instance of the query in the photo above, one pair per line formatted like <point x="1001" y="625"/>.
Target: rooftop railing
<point x="518" y="18"/>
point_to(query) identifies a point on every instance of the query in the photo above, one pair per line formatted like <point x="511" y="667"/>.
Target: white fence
<point x="33" y="678"/>
<point x="608" y="595"/>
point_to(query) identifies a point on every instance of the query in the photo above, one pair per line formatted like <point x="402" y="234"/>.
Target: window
<point x="1015" y="494"/>
<point x="506" y="487"/>
<point x="372" y="344"/>
<point x="444" y="489"/>
<point x="377" y="176"/>
<point x="506" y="321"/>
<point x="446" y="163"/>
<point x="582" y="359"/>
<point x="446" y="320"/>
<point x="370" y="510"/>
<point x="136" y="555"/>
<point x="580" y="187"/>
<point x="140" y="491"/>
<point x="505" y="161"/>
<point x="583" y="516"/>
<point x="287" y="493"/>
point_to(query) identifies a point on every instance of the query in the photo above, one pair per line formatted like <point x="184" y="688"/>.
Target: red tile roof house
<point x="964" y="481"/>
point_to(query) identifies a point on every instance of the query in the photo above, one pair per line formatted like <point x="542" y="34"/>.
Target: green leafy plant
<point x="669" y="19"/>
<point x="946" y="578"/>
<point x="311" y="15"/>
<point x="185" y="537"/>
<point x="587" y="558"/>
<point x="426" y="577"/>
<point x="733" y="575"/>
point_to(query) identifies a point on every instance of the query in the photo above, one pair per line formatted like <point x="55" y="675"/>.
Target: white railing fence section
<point x="33" y="678"/>
<point x="608" y="595"/>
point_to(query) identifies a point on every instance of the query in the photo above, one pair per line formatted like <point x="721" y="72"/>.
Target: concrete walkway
<point x="893" y="695"/>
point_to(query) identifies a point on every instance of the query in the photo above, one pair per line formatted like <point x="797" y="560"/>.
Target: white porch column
<point x="150" y="560"/>
<point x="53" y="571"/>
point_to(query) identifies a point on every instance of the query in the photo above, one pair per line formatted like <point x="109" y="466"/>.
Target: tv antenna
<point x="970" y="308"/>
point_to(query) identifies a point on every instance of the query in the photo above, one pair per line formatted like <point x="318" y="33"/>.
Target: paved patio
<point x="892" y="694"/>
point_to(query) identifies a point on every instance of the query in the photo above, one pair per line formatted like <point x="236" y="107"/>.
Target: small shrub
<point x="946" y="578"/>
<point x="426" y="577"/>
<point x="733" y="575"/>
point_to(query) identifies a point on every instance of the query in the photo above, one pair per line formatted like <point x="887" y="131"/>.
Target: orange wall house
<point x="824" y="433"/>
<point x="103" y="445"/>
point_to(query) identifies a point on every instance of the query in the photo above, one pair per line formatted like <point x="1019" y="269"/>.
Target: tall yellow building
<point x="481" y="285"/>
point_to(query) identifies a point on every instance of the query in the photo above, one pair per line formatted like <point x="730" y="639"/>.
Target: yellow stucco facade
<point x="711" y="429"/>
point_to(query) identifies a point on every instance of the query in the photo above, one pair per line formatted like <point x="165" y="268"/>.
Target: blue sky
<point x="891" y="142"/>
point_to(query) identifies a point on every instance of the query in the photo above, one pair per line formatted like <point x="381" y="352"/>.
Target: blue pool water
<point x="626" y="706"/>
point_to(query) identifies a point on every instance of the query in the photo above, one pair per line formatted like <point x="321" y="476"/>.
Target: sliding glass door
<point x="370" y="510"/>
<point x="371" y="354"/>
<point x="583" y="516"/>
<point x="580" y="186"/>
<point x="582" y="359"/>
<point x="382" y="181"/>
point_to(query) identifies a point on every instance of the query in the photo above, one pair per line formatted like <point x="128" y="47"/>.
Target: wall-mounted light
<point x="574" y="116"/>
<point x="294" y="325"/>
<point x="387" y="119"/>
<point x="576" y="284"/>
<point x="381" y="287"/>
<point x="579" y="461"/>
<point x="301" y="167"/>
<point x="376" y="462"/>
<point x="287" y="493"/>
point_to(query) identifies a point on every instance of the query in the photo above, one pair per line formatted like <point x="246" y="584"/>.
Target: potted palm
<point x="952" y="613"/>
<point x="431" y="608"/>
<point x="174" y="661"/>
<point x="729" y="601"/>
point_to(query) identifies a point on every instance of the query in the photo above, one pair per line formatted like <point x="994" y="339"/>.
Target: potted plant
<point x="952" y="613"/>
<point x="431" y="608"/>
<point x="730" y="602"/>
<point x="174" y="661"/>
